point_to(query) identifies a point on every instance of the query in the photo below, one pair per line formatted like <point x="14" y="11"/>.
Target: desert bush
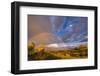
<point x="31" y="46"/>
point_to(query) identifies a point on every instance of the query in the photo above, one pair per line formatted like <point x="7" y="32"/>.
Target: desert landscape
<point x="57" y="37"/>
<point x="52" y="53"/>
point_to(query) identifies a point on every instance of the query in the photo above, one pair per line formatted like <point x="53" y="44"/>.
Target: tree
<point x="31" y="46"/>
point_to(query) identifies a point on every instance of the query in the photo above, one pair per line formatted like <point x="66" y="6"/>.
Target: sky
<point x="65" y="28"/>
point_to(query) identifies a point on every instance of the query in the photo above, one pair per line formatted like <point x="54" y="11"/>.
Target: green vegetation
<point x="42" y="54"/>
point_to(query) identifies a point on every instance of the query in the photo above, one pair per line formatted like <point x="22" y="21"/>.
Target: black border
<point x="15" y="38"/>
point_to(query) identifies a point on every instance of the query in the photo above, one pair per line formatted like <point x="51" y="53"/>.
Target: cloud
<point x="66" y="29"/>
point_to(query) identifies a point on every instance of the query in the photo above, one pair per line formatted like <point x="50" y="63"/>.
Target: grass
<point x="42" y="54"/>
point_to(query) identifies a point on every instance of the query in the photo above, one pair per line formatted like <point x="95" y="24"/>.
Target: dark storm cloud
<point x="38" y="24"/>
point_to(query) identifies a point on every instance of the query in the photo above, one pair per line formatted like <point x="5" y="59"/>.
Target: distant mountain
<point x="62" y="46"/>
